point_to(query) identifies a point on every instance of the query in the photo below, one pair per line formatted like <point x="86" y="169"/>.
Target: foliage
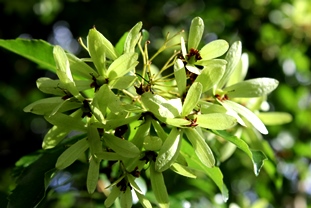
<point x="139" y="121"/>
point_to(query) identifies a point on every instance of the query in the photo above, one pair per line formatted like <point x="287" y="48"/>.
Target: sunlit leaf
<point x="180" y="76"/>
<point x="177" y="122"/>
<point x="257" y="157"/>
<point x="38" y="51"/>
<point x="192" y="98"/>
<point x="132" y="38"/>
<point x="246" y="113"/>
<point x="232" y="57"/>
<point x="211" y="74"/>
<point x="275" y="118"/>
<point x="92" y="175"/>
<point x="183" y="170"/>
<point x="214" y="49"/>
<point x="252" y="88"/>
<point x="202" y="150"/>
<point x="218" y="121"/>
<point x="158" y="187"/>
<point x="122" y="65"/>
<point x="120" y="146"/>
<point x="63" y="71"/>
<point x="240" y="71"/>
<point x="123" y="82"/>
<point x="195" y="33"/>
<point x="193" y="69"/>
<point x="160" y="106"/>
<point x="71" y="154"/>
<point x="79" y="68"/>
<point x="169" y="151"/>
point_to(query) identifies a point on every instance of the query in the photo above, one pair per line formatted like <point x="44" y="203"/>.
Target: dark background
<point x="275" y="33"/>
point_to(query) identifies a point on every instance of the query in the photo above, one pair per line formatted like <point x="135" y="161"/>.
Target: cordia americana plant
<point x="116" y="110"/>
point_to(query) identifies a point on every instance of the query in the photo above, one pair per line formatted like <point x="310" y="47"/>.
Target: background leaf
<point x="38" y="51"/>
<point x="256" y="156"/>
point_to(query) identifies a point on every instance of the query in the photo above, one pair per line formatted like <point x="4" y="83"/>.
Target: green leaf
<point x="50" y="86"/>
<point x="143" y="200"/>
<point x="214" y="173"/>
<point x="92" y="175"/>
<point x="211" y="74"/>
<point x="38" y="51"/>
<point x="132" y="38"/>
<point x="126" y="198"/>
<point x="142" y="131"/>
<point x="177" y="122"/>
<point x="240" y="71"/>
<point x="44" y="106"/>
<point x="100" y="48"/>
<point x="114" y="194"/>
<point x="202" y="150"/>
<point x="71" y="154"/>
<point x="252" y="88"/>
<point x="94" y="140"/>
<point x="192" y="98"/>
<point x="158" y="186"/>
<point x="275" y="118"/>
<point x="119" y="47"/>
<point x="122" y="65"/>
<point x="79" y="68"/>
<point x="180" y="76"/>
<point x="57" y="133"/>
<point x="214" y="49"/>
<point x="159" y="106"/>
<point x="63" y="71"/>
<point x="30" y="185"/>
<point x="120" y="146"/>
<point x="232" y="57"/>
<point x="257" y="157"/>
<point x="152" y="143"/>
<point x="169" y="151"/>
<point x="108" y="156"/>
<point x="246" y="113"/>
<point x="60" y="119"/>
<point x="114" y="123"/>
<point x="123" y="82"/>
<point x="183" y="170"/>
<point x="195" y="33"/>
<point x="218" y="121"/>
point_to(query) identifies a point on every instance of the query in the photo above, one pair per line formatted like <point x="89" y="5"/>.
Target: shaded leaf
<point x="120" y="146"/>
<point x="92" y="175"/>
<point x="122" y="65"/>
<point x="158" y="186"/>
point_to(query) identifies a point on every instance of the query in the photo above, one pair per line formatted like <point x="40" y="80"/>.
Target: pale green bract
<point x="148" y="118"/>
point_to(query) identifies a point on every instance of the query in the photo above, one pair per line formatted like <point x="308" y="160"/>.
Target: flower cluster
<point x="143" y="122"/>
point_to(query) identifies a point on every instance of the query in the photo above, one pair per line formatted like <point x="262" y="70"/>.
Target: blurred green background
<point x="275" y="33"/>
